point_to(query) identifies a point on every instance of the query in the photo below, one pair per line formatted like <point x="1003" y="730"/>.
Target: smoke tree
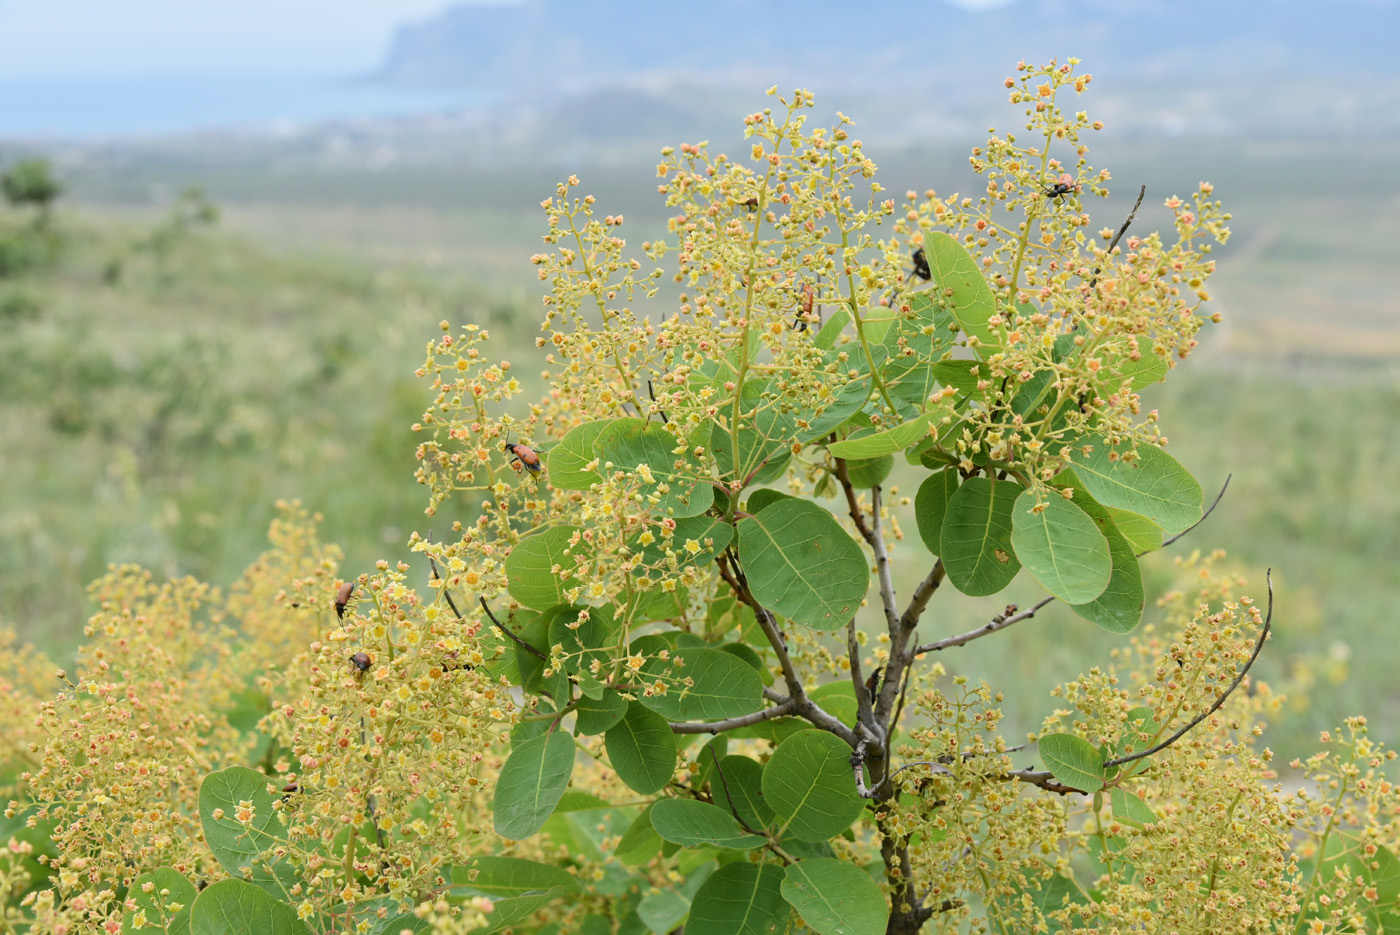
<point x="665" y="677"/>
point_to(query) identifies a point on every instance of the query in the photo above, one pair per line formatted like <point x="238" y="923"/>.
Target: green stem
<point x="1321" y="858"/>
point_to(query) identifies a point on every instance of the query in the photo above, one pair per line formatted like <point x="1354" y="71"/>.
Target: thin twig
<point x="865" y="714"/>
<point x="728" y="796"/>
<point x="1209" y="510"/>
<point x="882" y="563"/>
<point x="659" y="411"/>
<point x="518" y="641"/>
<point x="852" y="504"/>
<point x="999" y="622"/>
<point x="445" y="593"/>
<point x="745" y="720"/>
<point x="923" y="594"/>
<point x="1121" y="231"/>
<point x="1258" y="646"/>
<point x="1044" y="779"/>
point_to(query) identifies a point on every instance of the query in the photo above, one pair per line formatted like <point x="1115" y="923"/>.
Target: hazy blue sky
<point x="76" y="38"/>
<point x="81" y="38"/>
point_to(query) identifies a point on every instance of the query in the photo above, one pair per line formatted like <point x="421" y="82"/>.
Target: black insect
<point x="921" y="269"/>
<point x="872" y="684"/>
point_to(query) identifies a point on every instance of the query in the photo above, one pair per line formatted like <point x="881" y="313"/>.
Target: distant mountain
<point x="1219" y="67"/>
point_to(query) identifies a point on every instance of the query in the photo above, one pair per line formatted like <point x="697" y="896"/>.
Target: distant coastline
<point x="88" y="109"/>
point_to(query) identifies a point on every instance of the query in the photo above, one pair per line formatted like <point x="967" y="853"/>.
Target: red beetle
<point x="527" y="456"/>
<point x="1064" y="186"/>
<point x="361" y="661"/>
<point x="342" y="597"/>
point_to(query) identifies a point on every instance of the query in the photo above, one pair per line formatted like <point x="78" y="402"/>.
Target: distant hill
<point x="1214" y="67"/>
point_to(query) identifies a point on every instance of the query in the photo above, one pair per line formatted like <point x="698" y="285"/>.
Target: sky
<point x="82" y="38"/>
<point x="101" y="38"/>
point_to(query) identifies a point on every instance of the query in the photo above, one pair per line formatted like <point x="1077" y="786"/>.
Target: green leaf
<point x="642" y="749"/>
<point x="890" y="440"/>
<point x="738" y="787"/>
<point x="764" y="434"/>
<point x="1129" y="809"/>
<point x="800" y="563"/>
<point x="664" y="910"/>
<point x="959" y="374"/>
<point x="236" y="907"/>
<point x="530" y="566"/>
<point x="1119" y="608"/>
<point x="740" y="899"/>
<point x="1061" y="547"/>
<point x="532" y="780"/>
<point x="691" y="528"/>
<point x="500" y="877"/>
<point x="931" y="505"/>
<point x="640" y="842"/>
<point x="629" y="443"/>
<point x="242" y="846"/>
<point x="763" y="496"/>
<point x="960" y="286"/>
<point x="167" y="905"/>
<point x="1142" y="534"/>
<point x="583" y="642"/>
<point x="699" y="824"/>
<point x="835" y="897"/>
<point x="1153" y="484"/>
<point x="576" y="800"/>
<point x="567" y="460"/>
<point x="1073" y="760"/>
<point x="516" y="909"/>
<point x="720" y="685"/>
<point x="810" y="787"/>
<point x="832" y="328"/>
<point x="845" y="401"/>
<point x="869" y="472"/>
<point x="597" y="715"/>
<point x="976" y="536"/>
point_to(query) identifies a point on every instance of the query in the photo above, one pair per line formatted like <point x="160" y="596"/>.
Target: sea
<point x="98" y="108"/>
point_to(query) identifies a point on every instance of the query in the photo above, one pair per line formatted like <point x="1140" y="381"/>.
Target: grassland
<point x="157" y="419"/>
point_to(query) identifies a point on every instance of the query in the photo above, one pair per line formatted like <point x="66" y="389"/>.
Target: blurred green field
<point x="157" y="419"/>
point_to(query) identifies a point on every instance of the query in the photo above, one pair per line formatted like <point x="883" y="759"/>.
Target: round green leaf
<point x="1073" y="760"/>
<point x="500" y="877"/>
<point x="628" y="444"/>
<point x="740" y="899"/>
<point x="867" y="473"/>
<point x="697" y="529"/>
<point x="1142" y="534"/>
<point x="931" y="505"/>
<point x="1061" y="547"/>
<point x="597" y="715"/>
<point x="699" y="824"/>
<point x="1129" y="809"/>
<point x="962" y="289"/>
<point x="568" y="460"/>
<point x="976" y="536"/>
<point x="1152" y="484"/>
<point x="1119" y="608"/>
<point x="531" y="783"/>
<point x="800" y="563"/>
<point x="236" y="907"/>
<point x="835" y="897"/>
<point x="710" y="685"/>
<point x="240" y="846"/>
<point x="167" y="905"/>
<point x="516" y="909"/>
<point x="640" y="842"/>
<point x="810" y="787"/>
<point x="585" y="642"/>
<point x="890" y="440"/>
<point x="738" y="787"/>
<point x="530" y="567"/>
<point x="642" y="749"/>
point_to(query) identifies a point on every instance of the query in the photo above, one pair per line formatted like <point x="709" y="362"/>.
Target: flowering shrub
<point x="645" y="559"/>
